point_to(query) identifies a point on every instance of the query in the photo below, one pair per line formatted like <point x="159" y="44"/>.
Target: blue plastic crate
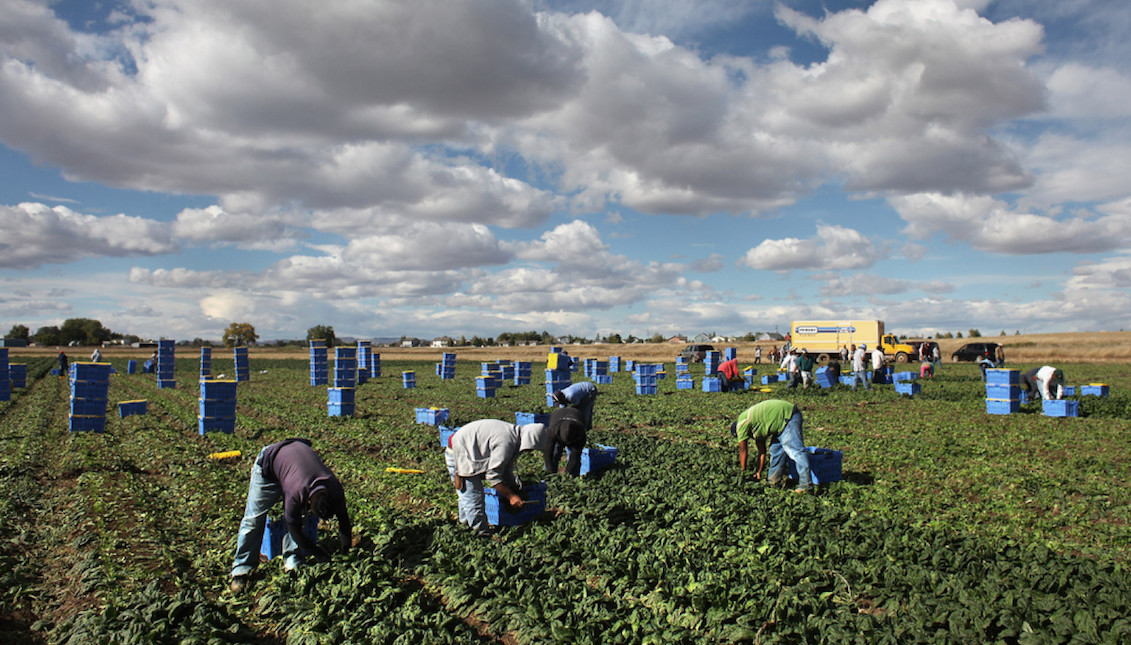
<point x="525" y="418"/>
<point x="1069" y="390"/>
<point x="130" y="408"/>
<point x="684" y="384"/>
<point x="273" y="533"/>
<point x="341" y="394"/>
<point x="522" y="380"/>
<point x="712" y="384"/>
<point x="217" y="409"/>
<point x="596" y="458"/>
<point x="340" y="409"/>
<point x="209" y="424"/>
<point x="1002" y="391"/>
<point x="646" y="389"/>
<point x="998" y="376"/>
<point x="1003" y="406"/>
<point x="1061" y="408"/>
<point x="905" y="376"/>
<point x="485" y="393"/>
<point x="131" y="366"/>
<point x="1094" y="389"/>
<point x="602" y="379"/>
<point x="86" y="423"/>
<point x="909" y="389"/>
<point x="431" y="416"/>
<point x="446" y="434"/>
<point x="769" y="378"/>
<point x="499" y="515"/>
<point x="646" y="379"/>
<point x="213" y="390"/>
<point x="824" y="465"/>
<point x="88" y="407"/>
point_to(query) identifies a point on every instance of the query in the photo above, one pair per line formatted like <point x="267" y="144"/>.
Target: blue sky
<point x="468" y="167"/>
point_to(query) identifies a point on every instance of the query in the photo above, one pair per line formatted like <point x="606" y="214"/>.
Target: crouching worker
<point x="291" y="471"/>
<point x="1047" y="380"/>
<point x="778" y="424"/>
<point x="581" y="395"/>
<point x="484" y="453"/>
<point x="566" y="430"/>
<point x="729" y="377"/>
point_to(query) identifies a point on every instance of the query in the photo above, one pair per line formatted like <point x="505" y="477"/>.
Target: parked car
<point x="974" y="351"/>
<point x="696" y="353"/>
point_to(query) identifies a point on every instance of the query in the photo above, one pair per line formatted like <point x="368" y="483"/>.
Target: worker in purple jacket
<point x="291" y="471"/>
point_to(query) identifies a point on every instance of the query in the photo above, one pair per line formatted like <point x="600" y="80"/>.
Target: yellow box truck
<point x="822" y="339"/>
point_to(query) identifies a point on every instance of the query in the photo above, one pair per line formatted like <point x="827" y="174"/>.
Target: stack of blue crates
<point x="645" y="377"/>
<point x="205" y="363"/>
<point x="506" y="370"/>
<point x="497" y="515"/>
<point x="17" y="375"/>
<point x="446" y="369"/>
<point x="345" y="367"/>
<point x="683" y="381"/>
<point x="749" y="373"/>
<point x="558" y="374"/>
<point x="431" y="416"/>
<point x="1003" y="391"/>
<point x="408" y="380"/>
<point x="614" y="364"/>
<point x="630" y="365"/>
<point x="374" y="366"/>
<point x="730" y="353"/>
<point x="165" y="367"/>
<point x="712" y="384"/>
<point x="90" y="387"/>
<point x="319" y="363"/>
<point x="131" y="366"/>
<point x="485" y="386"/>
<point x="243" y="367"/>
<point x="822" y="377"/>
<point x="769" y="378"/>
<point x="598" y="371"/>
<point x="712" y="361"/>
<point x="522" y="372"/>
<point x="130" y="408"/>
<point x="5" y="379"/>
<point x="217" y="406"/>
<point x="526" y="418"/>
<point x="340" y="401"/>
<point x="364" y="360"/>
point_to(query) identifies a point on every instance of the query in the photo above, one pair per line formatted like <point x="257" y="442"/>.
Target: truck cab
<point x="899" y="352"/>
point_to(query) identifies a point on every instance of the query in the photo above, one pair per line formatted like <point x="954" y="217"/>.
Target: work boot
<point x="238" y="584"/>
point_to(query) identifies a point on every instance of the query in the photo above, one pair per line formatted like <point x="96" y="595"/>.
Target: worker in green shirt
<point x="777" y="423"/>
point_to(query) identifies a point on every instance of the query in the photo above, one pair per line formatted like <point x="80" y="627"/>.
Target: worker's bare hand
<point x="515" y="501"/>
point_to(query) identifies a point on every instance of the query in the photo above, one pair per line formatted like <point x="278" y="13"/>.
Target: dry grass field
<point x="1075" y="347"/>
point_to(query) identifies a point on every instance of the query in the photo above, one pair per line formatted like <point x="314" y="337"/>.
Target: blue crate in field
<point x="431" y="416"/>
<point x="712" y="384"/>
<point x="602" y="379"/>
<point x="217" y="409"/>
<point x="131" y="366"/>
<point x="499" y="514"/>
<point x="273" y="533"/>
<point x="525" y="418"/>
<point x="1069" y="390"/>
<point x="998" y="376"/>
<point x="905" y="376"/>
<point x="341" y="394"/>
<point x="1094" y="389"/>
<point x="769" y="378"/>
<point x="130" y="408"/>
<point x="211" y="424"/>
<point x="596" y="458"/>
<point x="847" y="379"/>
<point x="1061" y="408"/>
<point x="1002" y="391"/>
<point x="446" y="434"/>
<point x="646" y="389"/>
<point x="88" y="407"/>
<point x="824" y="465"/>
<point x="905" y="388"/>
<point x="340" y="409"/>
<point x="86" y="423"/>
<point x="485" y="393"/>
<point x="685" y="383"/>
<point x="1003" y="406"/>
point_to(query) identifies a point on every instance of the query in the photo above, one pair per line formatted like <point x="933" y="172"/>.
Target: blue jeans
<point x="261" y="496"/>
<point x="859" y="377"/>
<point x="791" y="442"/>
<point x="472" y="508"/>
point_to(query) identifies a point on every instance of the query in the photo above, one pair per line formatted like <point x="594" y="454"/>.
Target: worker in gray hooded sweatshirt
<point x="484" y="453"/>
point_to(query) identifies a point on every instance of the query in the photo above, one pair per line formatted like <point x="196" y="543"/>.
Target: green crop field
<point x="950" y="525"/>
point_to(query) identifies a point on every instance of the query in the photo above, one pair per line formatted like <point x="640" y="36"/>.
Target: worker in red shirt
<point x="729" y="376"/>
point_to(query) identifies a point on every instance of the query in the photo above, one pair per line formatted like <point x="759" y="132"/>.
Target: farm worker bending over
<point x="778" y="423"/>
<point x="484" y="452"/>
<point x="291" y="471"/>
<point x="926" y="370"/>
<point x="567" y="430"/>
<point x="728" y="374"/>
<point x="858" y="373"/>
<point x="581" y="395"/>
<point x="1044" y="380"/>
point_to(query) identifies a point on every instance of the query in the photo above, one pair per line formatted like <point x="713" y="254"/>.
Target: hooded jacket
<point x="490" y="448"/>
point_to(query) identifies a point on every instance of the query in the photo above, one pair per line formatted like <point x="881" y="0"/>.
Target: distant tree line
<point x="83" y="331"/>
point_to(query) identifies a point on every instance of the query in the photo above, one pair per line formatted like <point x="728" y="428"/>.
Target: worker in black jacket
<point x="567" y="430"/>
<point x="290" y="471"/>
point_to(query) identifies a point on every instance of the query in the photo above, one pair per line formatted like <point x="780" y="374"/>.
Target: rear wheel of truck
<point x="822" y="359"/>
<point x="901" y="358"/>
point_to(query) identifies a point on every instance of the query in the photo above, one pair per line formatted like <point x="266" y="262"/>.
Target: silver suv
<point x="696" y="353"/>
